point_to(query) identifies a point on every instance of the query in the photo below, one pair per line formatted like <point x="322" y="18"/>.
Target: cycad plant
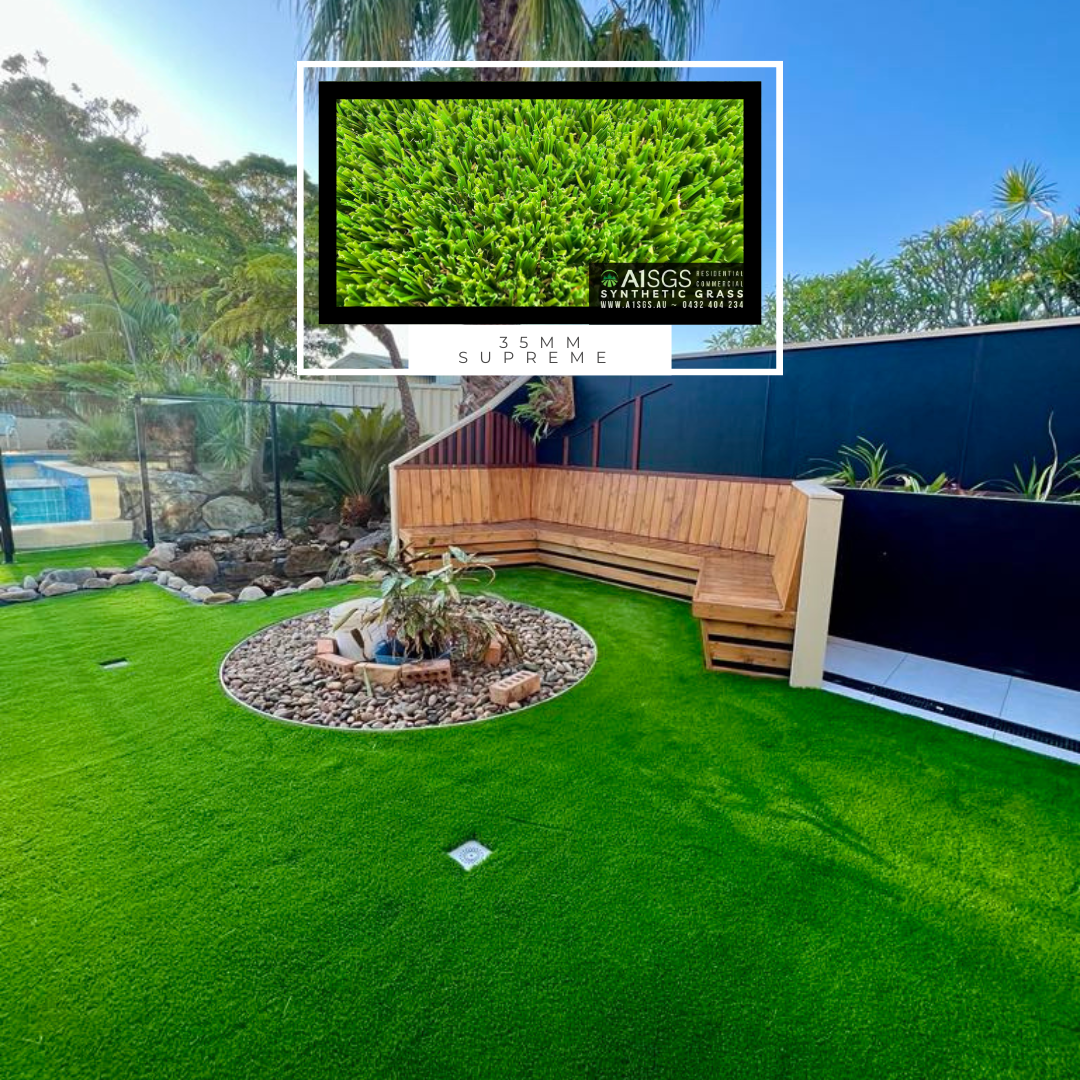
<point x="352" y="456"/>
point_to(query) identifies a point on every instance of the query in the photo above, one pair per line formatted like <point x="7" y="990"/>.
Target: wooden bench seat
<point x="664" y="566"/>
<point x="742" y="583"/>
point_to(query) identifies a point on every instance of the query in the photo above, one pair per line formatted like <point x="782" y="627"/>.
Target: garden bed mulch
<point x="272" y="672"/>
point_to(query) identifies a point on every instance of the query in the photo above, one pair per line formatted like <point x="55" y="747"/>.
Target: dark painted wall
<point x="986" y="582"/>
<point x="968" y="405"/>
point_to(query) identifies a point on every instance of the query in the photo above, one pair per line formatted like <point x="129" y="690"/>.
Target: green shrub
<point x="352" y="458"/>
<point x="106" y="437"/>
<point x="485" y="203"/>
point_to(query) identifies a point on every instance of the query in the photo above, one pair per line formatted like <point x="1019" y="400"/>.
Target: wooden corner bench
<point x="730" y="546"/>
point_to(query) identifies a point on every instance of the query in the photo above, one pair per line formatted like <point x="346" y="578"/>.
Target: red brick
<point x="426" y="671"/>
<point x="516" y="687"/>
<point x="493" y="656"/>
<point x="332" y="664"/>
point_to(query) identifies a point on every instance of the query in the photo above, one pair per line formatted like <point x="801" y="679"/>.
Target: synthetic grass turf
<point x="33" y="562"/>
<point x="694" y="875"/>
<point x="488" y="203"/>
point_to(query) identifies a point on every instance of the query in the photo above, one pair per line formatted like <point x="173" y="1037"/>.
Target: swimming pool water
<point x="46" y="496"/>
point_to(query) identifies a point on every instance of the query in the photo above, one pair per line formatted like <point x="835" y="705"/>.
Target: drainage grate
<point x="957" y="712"/>
<point x="109" y="665"/>
<point x="471" y="853"/>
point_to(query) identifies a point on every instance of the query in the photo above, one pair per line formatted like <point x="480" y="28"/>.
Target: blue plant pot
<point x="392" y="652"/>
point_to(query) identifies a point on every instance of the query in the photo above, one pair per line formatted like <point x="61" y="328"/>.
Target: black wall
<point x="969" y="405"/>
<point x="986" y="582"/>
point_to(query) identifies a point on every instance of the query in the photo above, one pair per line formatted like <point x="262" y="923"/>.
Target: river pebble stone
<point x="272" y="672"/>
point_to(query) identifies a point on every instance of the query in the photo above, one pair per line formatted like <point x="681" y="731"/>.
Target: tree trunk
<point x="478" y="390"/>
<point x="385" y="337"/>
<point x="494" y="40"/>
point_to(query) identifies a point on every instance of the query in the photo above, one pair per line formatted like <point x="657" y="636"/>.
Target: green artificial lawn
<point x="694" y="875"/>
<point x="33" y="562"/>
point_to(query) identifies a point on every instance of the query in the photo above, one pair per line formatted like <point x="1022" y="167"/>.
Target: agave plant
<point x="352" y="459"/>
<point x="425" y="612"/>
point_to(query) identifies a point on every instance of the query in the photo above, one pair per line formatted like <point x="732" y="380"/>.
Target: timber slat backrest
<point x="788" y="558"/>
<point x="736" y="514"/>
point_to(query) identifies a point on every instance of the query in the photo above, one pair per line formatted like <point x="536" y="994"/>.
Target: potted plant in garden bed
<point x="424" y="613"/>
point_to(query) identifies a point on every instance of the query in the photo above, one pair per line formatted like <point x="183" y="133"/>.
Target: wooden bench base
<point x="745" y="626"/>
<point x="662" y="566"/>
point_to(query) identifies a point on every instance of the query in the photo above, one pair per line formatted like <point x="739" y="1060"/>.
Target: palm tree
<point x="510" y="31"/>
<point x="384" y="335"/>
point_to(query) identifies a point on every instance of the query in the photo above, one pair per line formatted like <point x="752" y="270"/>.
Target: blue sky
<point x="896" y="118"/>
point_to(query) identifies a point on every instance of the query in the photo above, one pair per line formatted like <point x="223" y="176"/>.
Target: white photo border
<point x="303" y="66"/>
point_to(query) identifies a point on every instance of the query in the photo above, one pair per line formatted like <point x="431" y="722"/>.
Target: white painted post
<point x="820" y="543"/>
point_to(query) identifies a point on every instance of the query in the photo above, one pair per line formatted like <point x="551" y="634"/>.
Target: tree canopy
<point x="1019" y="261"/>
<point x="146" y="271"/>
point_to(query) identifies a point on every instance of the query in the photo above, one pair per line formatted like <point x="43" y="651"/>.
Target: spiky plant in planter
<point x="425" y="612"/>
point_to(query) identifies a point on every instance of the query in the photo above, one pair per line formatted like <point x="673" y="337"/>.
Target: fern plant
<point x="550" y="404"/>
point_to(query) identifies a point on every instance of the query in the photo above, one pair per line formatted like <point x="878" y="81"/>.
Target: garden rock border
<point x="155" y="567"/>
<point x="50" y="584"/>
<point x="272" y="673"/>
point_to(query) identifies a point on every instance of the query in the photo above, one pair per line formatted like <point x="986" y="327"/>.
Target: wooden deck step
<point x="747" y="648"/>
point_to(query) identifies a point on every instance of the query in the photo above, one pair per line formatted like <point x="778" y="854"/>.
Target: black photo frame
<point x="330" y="93"/>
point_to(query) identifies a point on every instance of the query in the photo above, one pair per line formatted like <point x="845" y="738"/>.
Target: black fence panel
<point x="986" y="582"/>
<point x="970" y="405"/>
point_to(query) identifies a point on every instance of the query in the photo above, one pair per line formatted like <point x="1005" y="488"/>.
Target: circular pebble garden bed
<point x="273" y="672"/>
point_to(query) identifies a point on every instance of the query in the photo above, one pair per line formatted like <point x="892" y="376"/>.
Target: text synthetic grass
<point x="693" y="875"/>
<point x="505" y="203"/>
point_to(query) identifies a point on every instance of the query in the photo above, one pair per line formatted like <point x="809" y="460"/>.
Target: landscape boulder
<point x="69" y="577"/>
<point x="18" y="596"/>
<point x="198" y="567"/>
<point x="160" y="555"/>
<point x="307" y="559"/>
<point x="58" y="588"/>
<point x="354" y="637"/>
<point x="232" y="512"/>
<point x="376" y="540"/>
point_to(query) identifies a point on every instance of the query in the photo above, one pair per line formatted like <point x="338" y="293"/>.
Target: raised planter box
<point x="987" y="582"/>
